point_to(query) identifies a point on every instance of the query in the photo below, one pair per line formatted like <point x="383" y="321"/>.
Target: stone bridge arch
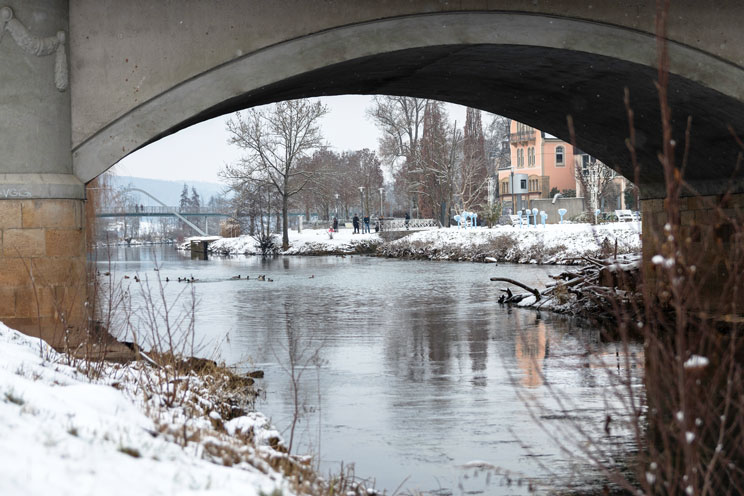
<point x="139" y="70"/>
<point x="537" y="68"/>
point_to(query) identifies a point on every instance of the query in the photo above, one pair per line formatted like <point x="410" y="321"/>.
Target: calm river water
<point x="421" y="372"/>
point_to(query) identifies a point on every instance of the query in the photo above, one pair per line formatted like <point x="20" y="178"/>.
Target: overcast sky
<point x="197" y="153"/>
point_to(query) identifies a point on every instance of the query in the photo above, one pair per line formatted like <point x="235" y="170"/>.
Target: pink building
<point x="539" y="163"/>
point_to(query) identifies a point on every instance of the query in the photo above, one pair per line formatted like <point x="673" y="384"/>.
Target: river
<point x="410" y="370"/>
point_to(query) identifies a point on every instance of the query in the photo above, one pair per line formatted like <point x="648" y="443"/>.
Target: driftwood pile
<point x="599" y="284"/>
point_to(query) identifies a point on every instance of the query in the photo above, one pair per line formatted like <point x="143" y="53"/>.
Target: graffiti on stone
<point x="34" y="45"/>
<point x="13" y="193"/>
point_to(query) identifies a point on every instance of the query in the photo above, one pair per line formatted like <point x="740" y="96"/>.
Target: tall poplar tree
<point x="472" y="183"/>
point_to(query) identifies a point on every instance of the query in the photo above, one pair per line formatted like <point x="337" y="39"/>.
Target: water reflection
<point x="530" y="350"/>
<point x="418" y="364"/>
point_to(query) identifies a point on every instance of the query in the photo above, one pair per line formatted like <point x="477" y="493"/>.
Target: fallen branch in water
<point x="521" y="285"/>
<point x="588" y="289"/>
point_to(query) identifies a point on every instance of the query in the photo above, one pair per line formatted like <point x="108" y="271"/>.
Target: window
<point x="585" y="159"/>
<point x="531" y="157"/>
<point x="559" y="154"/>
<point x="520" y="158"/>
<point x="523" y="184"/>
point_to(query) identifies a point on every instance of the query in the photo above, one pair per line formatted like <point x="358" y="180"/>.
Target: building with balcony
<point x="539" y="163"/>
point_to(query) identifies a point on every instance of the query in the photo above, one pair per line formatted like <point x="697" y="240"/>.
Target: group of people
<point x="363" y="224"/>
<point x="365" y="228"/>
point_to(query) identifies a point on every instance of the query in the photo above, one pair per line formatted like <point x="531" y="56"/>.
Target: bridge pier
<point x="42" y="235"/>
<point x="42" y="266"/>
<point x="710" y="244"/>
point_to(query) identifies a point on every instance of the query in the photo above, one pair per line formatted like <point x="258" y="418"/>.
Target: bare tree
<point x="401" y="120"/>
<point x="275" y="138"/>
<point x="496" y="138"/>
<point x="318" y="195"/>
<point x="595" y="180"/>
<point x="363" y="169"/>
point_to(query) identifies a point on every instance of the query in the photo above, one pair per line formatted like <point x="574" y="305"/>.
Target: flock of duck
<point x="192" y="279"/>
<point x="259" y="278"/>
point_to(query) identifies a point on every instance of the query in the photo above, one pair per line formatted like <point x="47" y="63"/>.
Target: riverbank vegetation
<point x="180" y="425"/>
<point x="685" y="421"/>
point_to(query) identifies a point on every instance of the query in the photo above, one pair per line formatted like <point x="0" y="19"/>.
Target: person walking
<point x="366" y="224"/>
<point x="408" y="219"/>
<point x="335" y="224"/>
<point x="355" y="221"/>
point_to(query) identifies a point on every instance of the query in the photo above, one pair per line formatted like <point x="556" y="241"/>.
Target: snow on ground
<point x="309" y="241"/>
<point x="554" y="243"/>
<point x="63" y="434"/>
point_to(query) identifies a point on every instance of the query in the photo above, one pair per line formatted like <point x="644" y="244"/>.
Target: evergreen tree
<point x="195" y="201"/>
<point x="183" y="204"/>
<point x="438" y="161"/>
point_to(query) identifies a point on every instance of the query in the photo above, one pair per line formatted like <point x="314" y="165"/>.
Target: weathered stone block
<point x="660" y="220"/>
<point x="59" y="271"/>
<point x="13" y="272"/>
<point x="7" y="302"/>
<point x="737" y="201"/>
<point x="64" y="242"/>
<point x="701" y="202"/>
<point x="52" y="213"/>
<point x="32" y="302"/>
<point x="650" y="206"/>
<point x="687" y="217"/>
<point x="10" y="214"/>
<point x="23" y="243"/>
<point x="70" y="301"/>
<point x="705" y="217"/>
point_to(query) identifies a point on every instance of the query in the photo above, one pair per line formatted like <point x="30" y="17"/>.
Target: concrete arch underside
<point x="533" y="68"/>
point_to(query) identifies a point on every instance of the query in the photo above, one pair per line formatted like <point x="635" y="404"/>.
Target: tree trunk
<point x="268" y="215"/>
<point x="285" y="225"/>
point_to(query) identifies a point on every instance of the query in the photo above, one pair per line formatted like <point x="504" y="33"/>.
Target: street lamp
<point x="361" y="199"/>
<point x="336" y="195"/>
<point x="381" y="207"/>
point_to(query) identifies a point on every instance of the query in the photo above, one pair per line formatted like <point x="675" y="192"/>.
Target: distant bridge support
<point x="174" y="213"/>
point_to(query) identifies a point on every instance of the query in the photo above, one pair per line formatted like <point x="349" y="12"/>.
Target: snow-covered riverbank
<point x="554" y="243"/>
<point x="66" y="431"/>
<point x="308" y="242"/>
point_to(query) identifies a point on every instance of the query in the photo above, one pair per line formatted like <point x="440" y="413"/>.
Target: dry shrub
<point x="686" y="418"/>
<point x="502" y="247"/>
